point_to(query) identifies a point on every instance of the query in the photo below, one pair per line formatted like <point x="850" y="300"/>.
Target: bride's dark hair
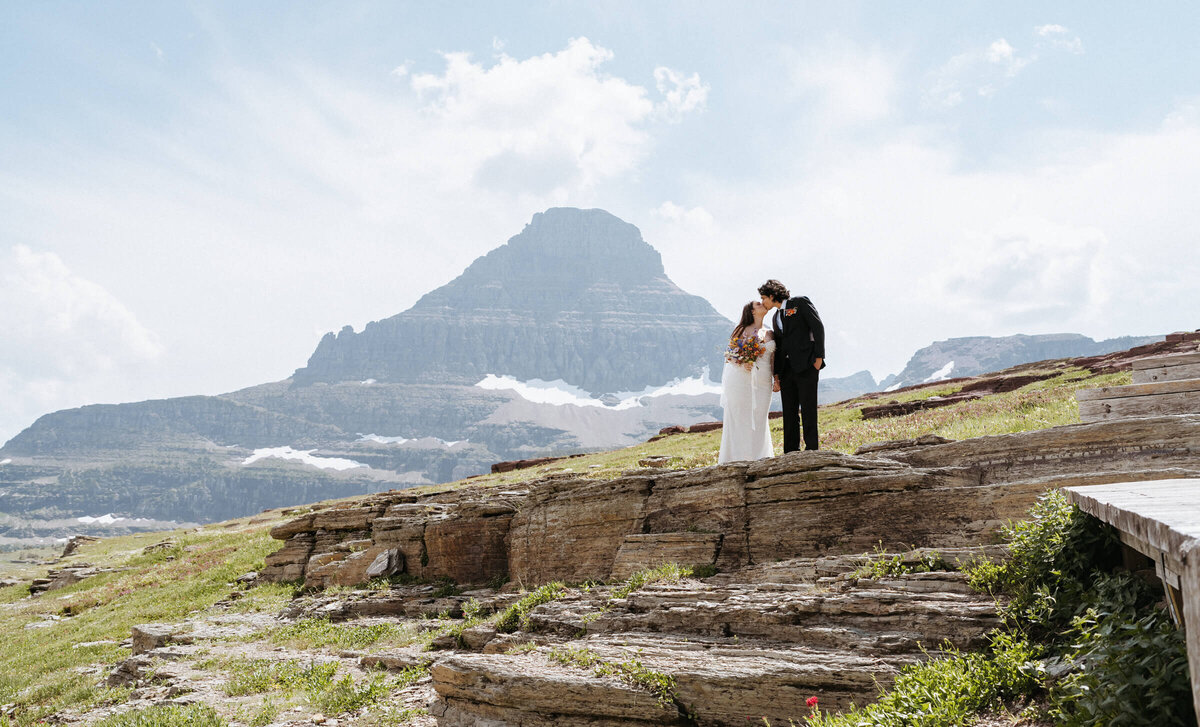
<point x="747" y="319"/>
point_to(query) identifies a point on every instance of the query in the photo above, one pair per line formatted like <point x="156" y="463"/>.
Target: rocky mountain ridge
<point x="974" y="355"/>
<point x="577" y="296"/>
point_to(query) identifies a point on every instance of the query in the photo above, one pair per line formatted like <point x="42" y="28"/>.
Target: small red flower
<point x="812" y="701"/>
<point x="790" y="311"/>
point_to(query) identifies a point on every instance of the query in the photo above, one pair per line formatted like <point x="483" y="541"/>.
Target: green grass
<point x="318" y="633"/>
<point x="1039" y="405"/>
<point x="319" y="682"/>
<point x="516" y="616"/>
<point x="36" y="663"/>
<point x="194" y="715"/>
<point x="665" y="573"/>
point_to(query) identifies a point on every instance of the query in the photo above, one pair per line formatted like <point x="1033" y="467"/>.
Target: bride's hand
<point x="775" y="384"/>
<point x="748" y="366"/>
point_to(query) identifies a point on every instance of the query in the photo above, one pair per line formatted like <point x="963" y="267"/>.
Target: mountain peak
<point x="562" y="252"/>
<point x="560" y="300"/>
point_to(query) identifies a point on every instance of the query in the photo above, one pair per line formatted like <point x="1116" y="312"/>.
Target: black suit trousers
<point x="798" y="393"/>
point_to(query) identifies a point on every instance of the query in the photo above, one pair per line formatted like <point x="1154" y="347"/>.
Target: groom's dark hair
<point x="775" y="289"/>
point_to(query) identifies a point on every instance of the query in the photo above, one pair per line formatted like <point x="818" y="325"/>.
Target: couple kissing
<point x="785" y="355"/>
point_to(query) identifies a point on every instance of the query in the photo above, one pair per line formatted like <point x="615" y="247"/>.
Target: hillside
<point x="268" y="653"/>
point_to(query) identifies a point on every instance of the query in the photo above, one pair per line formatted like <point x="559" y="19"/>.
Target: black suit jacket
<point x="799" y="336"/>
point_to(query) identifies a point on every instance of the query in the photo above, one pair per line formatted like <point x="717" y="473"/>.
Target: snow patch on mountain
<point x="110" y="519"/>
<point x="306" y="457"/>
<point x="560" y="393"/>
<point x="433" y="441"/>
<point x="940" y="374"/>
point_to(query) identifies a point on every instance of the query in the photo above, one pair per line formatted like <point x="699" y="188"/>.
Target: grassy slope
<point x="41" y="672"/>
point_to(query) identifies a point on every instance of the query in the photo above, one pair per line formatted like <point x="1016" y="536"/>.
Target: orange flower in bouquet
<point x="744" y="351"/>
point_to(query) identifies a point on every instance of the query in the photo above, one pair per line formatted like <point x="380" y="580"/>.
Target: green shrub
<point x="1130" y="671"/>
<point x="446" y="587"/>
<point x="346" y="695"/>
<point x="1128" y="662"/>
<point x="665" y="573"/>
<point x="949" y="691"/>
<point x="517" y="615"/>
<point x="1055" y="555"/>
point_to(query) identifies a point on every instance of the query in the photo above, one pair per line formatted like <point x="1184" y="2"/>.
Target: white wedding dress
<point x="746" y="397"/>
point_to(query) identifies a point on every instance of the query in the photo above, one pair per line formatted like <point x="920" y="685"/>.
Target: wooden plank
<point x="1164" y="514"/>
<point x="1167" y="373"/>
<point x="1174" y="359"/>
<point x="1140" y="406"/>
<point x="1154" y="389"/>
<point x="1191" y="615"/>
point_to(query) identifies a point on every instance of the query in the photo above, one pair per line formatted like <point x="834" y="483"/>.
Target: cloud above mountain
<point x="62" y="335"/>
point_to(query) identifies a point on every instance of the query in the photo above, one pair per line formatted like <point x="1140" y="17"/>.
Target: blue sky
<point x="191" y="194"/>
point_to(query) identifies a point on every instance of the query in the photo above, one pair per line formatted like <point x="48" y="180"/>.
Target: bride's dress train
<point x="746" y="397"/>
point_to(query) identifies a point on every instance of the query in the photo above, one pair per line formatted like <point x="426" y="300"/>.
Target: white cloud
<point x="696" y="219"/>
<point x="1056" y="36"/>
<point x="61" y="335"/>
<point x="550" y="123"/>
<point x="979" y="72"/>
<point x="52" y="320"/>
<point x="900" y="242"/>
<point x="852" y="84"/>
<point x="1030" y="270"/>
<point x="681" y="94"/>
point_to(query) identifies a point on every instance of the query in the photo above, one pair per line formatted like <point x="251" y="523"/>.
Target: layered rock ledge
<point x="919" y="493"/>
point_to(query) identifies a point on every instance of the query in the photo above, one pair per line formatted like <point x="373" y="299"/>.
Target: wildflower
<point x="812" y="701"/>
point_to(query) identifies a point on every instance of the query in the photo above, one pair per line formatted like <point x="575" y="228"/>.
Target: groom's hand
<point x="817" y="363"/>
<point x="775" y="386"/>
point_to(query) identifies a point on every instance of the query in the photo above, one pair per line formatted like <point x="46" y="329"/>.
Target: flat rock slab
<point x="477" y="690"/>
<point x="716" y="683"/>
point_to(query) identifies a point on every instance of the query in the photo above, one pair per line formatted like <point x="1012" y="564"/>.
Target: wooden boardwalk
<point x="1161" y="520"/>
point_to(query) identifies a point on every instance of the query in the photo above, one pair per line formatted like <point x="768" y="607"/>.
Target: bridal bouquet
<point x="744" y="351"/>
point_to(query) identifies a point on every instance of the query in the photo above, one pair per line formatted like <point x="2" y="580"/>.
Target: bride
<point x="746" y="389"/>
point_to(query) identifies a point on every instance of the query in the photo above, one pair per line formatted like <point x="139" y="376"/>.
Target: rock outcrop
<point x="808" y="504"/>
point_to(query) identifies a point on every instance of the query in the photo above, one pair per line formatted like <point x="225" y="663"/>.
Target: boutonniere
<point x="790" y="311"/>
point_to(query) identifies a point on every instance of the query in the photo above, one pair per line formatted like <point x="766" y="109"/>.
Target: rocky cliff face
<point x="577" y="296"/>
<point x="976" y="355"/>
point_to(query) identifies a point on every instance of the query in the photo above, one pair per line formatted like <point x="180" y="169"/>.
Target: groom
<point x="799" y="358"/>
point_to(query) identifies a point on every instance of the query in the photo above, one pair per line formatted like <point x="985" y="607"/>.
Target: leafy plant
<point x="517" y="615"/>
<point x="1129" y="669"/>
<point x="665" y="573"/>
<point x="884" y="565"/>
<point x="950" y="690"/>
